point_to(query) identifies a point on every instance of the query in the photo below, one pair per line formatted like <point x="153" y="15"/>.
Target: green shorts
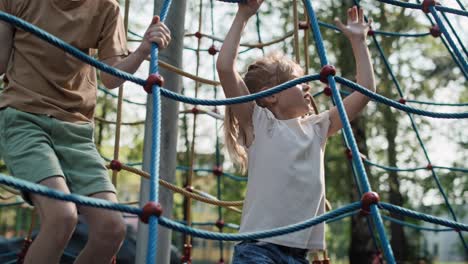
<point x="36" y="147"/>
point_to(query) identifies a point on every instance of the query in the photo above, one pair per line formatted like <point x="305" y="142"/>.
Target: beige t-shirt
<point x="43" y="79"/>
<point x="286" y="177"/>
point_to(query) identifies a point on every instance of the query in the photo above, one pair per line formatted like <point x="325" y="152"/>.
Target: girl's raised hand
<point x="250" y="7"/>
<point x="356" y="28"/>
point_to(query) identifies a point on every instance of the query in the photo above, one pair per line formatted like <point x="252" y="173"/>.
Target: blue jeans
<point x="254" y="252"/>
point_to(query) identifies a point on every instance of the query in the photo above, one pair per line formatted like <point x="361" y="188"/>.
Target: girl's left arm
<point x="356" y="31"/>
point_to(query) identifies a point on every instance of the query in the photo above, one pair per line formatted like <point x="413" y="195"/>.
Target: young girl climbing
<point x="283" y="142"/>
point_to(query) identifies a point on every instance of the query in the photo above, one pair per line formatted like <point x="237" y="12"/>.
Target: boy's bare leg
<point x="58" y="221"/>
<point x="106" y="232"/>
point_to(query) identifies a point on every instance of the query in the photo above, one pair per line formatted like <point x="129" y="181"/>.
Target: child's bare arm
<point x="356" y="31"/>
<point x="232" y="83"/>
<point x="158" y="33"/>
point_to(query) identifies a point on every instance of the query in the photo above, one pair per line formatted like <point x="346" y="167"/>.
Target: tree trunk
<point x="361" y="247"/>
<point x="398" y="240"/>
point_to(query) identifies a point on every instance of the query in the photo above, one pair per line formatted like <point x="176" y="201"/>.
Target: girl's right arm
<point x="232" y="83"/>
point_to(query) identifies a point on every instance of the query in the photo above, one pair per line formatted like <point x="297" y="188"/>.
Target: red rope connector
<point x="327" y="91"/>
<point x="402" y="101"/>
<point x="426" y="4"/>
<point x="435" y="31"/>
<point x="213" y="50"/>
<point x="349" y="154"/>
<point x="220" y="224"/>
<point x="24" y="250"/>
<point x="198" y="35"/>
<point x="325" y="72"/>
<point x="429" y="167"/>
<point x="371" y="32"/>
<point x="367" y="200"/>
<point x="218" y="171"/>
<point x="195" y="110"/>
<point x="221" y="261"/>
<point x="187" y="257"/>
<point x="150" y="209"/>
<point x="303" y="25"/>
<point x="116" y="165"/>
<point x="153" y="79"/>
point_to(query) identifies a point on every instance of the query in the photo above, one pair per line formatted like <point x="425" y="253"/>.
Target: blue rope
<point x="11" y="204"/>
<point x="461" y="5"/>
<point x="104" y="90"/>
<point x="397" y="105"/>
<point x="77" y="199"/>
<point x="424" y="217"/>
<point x="155" y="145"/>
<point x="260" y="234"/>
<point x="348" y="132"/>
<point x="416" y="6"/>
<point x="449" y="39"/>
<point x="236" y="100"/>
<point x="378" y="32"/>
<point x="455" y="33"/>
<point x="98" y="203"/>
<point x="397" y="84"/>
<point x="390" y="168"/>
<point x="89" y="201"/>
<point x="9" y="254"/>
<point x="421" y="228"/>
<point x="436" y="103"/>
<point x="229" y="175"/>
<point x="70" y="49"/>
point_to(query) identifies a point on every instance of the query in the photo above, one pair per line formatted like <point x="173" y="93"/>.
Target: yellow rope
<point x="296" y="32"/>
<point x="181" y="190"/>
<point x="100" y="119"/>
<point x="250" y="45"/>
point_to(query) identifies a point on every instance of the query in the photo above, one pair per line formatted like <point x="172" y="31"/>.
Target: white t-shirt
<point x="286" y="177"/>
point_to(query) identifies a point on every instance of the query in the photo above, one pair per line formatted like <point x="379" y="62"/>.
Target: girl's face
<point x="295" y="101"/>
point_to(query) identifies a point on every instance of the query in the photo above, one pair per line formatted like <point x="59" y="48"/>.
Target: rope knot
<point x="426" y="4"/>
<point x="116" y="165"/>
<point x="198" y="35"/>
<point x="303" y="25"/>
<point x="435" y="31"/>
<point x="326" y="71"/>
<point x="220" y="224"/>
<point x="367" y="200"/>
<point x="402" y="101"/>
<point x="187" y="257"/>
<point x="195" y="110"/>
<point x="327" y="91"/>
<point x="213" y="50"/>
<point x="349" y="154"/>
<point x="154" y="78"/>
<point x="188" y="188"/>
<point x="217" y="170"/>
<point x="150" y="209"/>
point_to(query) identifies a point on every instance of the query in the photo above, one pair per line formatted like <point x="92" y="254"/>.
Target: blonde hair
<point x="268" y="71"/>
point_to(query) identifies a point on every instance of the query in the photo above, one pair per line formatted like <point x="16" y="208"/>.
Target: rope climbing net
<point x="369" y="204"/>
